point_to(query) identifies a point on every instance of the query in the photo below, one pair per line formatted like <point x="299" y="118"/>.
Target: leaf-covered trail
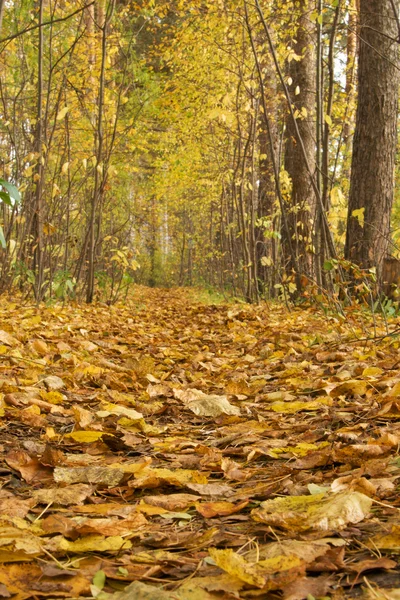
<point x="209" y="452"/>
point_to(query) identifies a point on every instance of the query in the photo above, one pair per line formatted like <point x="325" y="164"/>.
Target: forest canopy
<point x="246" y="145"/>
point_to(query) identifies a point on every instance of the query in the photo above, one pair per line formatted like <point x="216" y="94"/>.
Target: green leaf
<point x="99" y="579"/>
<point x="11" y="189"/>
<point x="4" y="196"/>
<point x="328" y="266"/>
<point x="2" y="238"/>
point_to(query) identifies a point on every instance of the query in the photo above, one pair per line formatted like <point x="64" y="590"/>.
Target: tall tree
<point x="375" y="138"/>
<point x="302" y="78"/>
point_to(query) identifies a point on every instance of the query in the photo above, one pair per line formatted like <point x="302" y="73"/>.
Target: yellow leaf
<point x="86" y="437"/>
<point x="294" y="407"/>
<point x="52" y="397"/>
<point x="95" y="543"/>
<point x="114" y="409"/>
<point x="394" y="392"/>
<point x="359" y="215"/>
<point x="49" y="229"/>
<point x="387" y="541"/>
<point x="149" y="509"/>
<point x="206" y="405"/>
<point x="337" y="196"/>
<point x="40" y="347"/>
<point x="372" y="372"/>
<point x="266" y="261"/>
<point x="354" y="387"/>
<point x="148" y="477"/>
<point x="62" y="113"/>
<point x="236" y="565"/>
<point x="28" y="171"/>
<point x="319" y="512"/>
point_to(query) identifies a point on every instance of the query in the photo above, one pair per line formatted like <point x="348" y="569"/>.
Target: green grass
<point x="209" y="296"/>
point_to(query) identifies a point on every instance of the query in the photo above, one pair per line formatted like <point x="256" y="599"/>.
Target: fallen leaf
<point x="7" y="339"/>
<point x="206" y="405"/>
<point x="90" y="543"/>
<point x="96" y="475"/>
<point x="236" y="565"/>
<point x="298" y="406"/>
<point x="219" y="509"/>
<point x="85" y="437"/>
<point x="172" y="502"/>
<point x="74" y="494"/>
<point x="211" y="489"/>
<point x="112" y="409"/>
<point x="356" y="387"/>
<point x="386" y="541"/>
<point x="269" y="574"/>
<point x="305" y="588"/>
<point x="372" y="564"/>
<point x="142" y="591"/>
<point x="53" y="383"/>
<point x="233" y="471"/>
<point x="40" y="347"/>
<point x="316" y="513"/>
<point x="149" y="478"/>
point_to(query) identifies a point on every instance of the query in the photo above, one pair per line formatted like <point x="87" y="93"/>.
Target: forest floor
<point x="169" y="450"/>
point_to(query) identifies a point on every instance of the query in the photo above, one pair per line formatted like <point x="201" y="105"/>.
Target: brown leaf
<point x="30" y="468"/>
<point x="15" y="507"/>
<point x="40" y="347"/>
<point x="306" y="587"/>
<point x="172" y="502"/>
<point x="372" y="564"/>
<point x="206" y="405"/>
<point x="143" y="591"/>
<point x="104" y="476"/>
<point x="211" y="489"/>
<point x="4" y="592"/>
<point x="332" y="560"/>
<point x="233" y="471"/>
<point x="7" y="339"/>
<point x="219" y="509"/>
<point x="67" y="496"/>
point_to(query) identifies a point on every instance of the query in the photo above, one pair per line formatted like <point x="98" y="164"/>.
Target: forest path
<point x="139" y="441"/>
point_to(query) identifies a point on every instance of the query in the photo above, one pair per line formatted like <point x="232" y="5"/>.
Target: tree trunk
<point x="350" y="92"/>
<point x="99" y="175"/>
<point x="2" y="6"/>
<point x="302" y="204"/>
<point x="38" y="211"/>
<point x="267" y="196"/>
<point x="375" y="138"/>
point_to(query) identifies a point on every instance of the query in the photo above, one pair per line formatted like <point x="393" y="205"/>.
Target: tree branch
<point x="33" y="27"/>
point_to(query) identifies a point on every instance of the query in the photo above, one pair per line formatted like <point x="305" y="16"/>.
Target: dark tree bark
<point x="375" y="137"/>
<point x="267" y="196"/>
<point x="302" y="72"/>
<point x="2" y="5"/>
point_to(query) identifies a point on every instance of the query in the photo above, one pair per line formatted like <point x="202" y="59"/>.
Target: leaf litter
<point x="168" y="449"/>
